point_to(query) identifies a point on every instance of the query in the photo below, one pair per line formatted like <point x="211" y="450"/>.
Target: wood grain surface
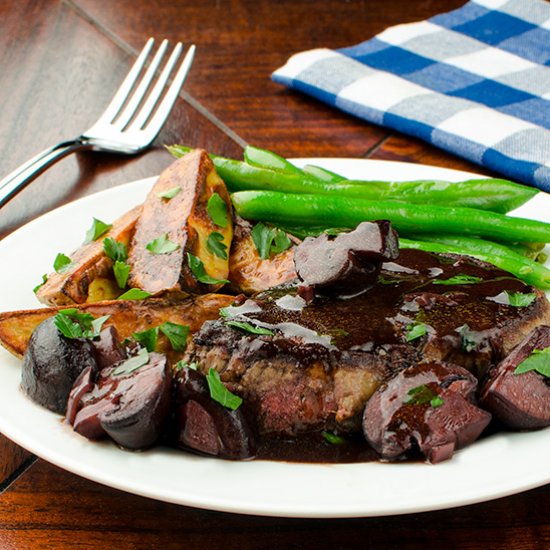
<point x="60" y="63"/>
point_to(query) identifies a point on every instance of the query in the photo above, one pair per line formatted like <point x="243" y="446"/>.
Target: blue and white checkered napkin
<point x="474" y="81"/>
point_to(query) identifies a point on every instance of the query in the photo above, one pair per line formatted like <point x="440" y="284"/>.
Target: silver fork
<point x="130" y="123"/>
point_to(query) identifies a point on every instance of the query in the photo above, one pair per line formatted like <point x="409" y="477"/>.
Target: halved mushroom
<point x="428" y="406"/>
<point x="520" y="401"/>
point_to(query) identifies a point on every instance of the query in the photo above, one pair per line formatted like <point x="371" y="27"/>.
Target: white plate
<point x="497" y="466"/>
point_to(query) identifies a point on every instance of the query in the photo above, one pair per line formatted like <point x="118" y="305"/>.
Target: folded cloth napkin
<point x="474" y="81"/>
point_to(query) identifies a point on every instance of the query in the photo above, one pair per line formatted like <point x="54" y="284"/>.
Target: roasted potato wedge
<point x="176" y="221"/>
<point x="250" y="274"/>
<point x="89" y="262"/>
<point x="127" y="316"/>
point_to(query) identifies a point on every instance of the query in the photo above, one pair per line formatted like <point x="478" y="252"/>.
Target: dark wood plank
<point x="12" y="458"/>
<point x="241" y="43"/>
<point x="41" y="509"/>
<point x="57" y="96"/>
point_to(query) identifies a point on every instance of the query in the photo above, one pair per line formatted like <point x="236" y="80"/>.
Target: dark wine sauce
<point x="313" y="448"/>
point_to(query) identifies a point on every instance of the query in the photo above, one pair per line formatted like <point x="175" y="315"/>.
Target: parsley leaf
<point x="468" y="342"/>
<point x="333" y="439"/>
<point x="281" y="242"/>
<point x="247" y="327"/>
<point x="162" y="245"/>
<point x="216" y="245"/>
<point x="263" y="237"/>
<point x="134" y="294"/>
<point x="460" y="279"/>
<point x="169" y="193"/>
<point x="422" y="395"/>
<point x="176" y="334"/>
<point x="186" y="365"/>
<point x="133" y="363"/>
<point x="121" y="271"/>
<point x="519" y="299"/>
<point x="98" y="228"/>
<point x="538" y="361"/>
<point x="217" y="210"/>
<point x="269" y="240"/>
<point x="74" y="324"/>
<point x="416" y="330"/>
<point x="62" y="263"/>
<point x="147" y="338"/>
<point x="37" y="287"/>
<point x="197" y="268"/>
<point x="219" y="393"/>
<point x="115" y="250"/>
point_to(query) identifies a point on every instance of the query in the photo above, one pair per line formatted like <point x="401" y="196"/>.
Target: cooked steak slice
<point x="304" y="367"/>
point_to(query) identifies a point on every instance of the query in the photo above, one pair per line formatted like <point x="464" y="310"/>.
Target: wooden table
<point x="60" y="62"/>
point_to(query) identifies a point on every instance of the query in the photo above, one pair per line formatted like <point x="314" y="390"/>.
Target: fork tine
<point x="130" y="109"/>
<point x="165" y="106"/>
<point x="148" y="107"/>
<point x="122" y="93"/>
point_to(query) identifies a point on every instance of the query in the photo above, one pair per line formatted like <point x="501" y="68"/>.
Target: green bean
<point x="499" y="255"/>
<point x="488" y="194"/>
<point x="322" y="173"/>
<point x="261" y="158"/>
<point x="339" y="211"/>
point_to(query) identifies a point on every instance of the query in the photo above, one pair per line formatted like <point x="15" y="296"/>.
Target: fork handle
<point x="20" y="177"/>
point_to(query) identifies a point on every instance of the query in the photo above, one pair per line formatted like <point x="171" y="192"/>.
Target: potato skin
<point x="89" y="263"/>
<point x="127" y="316"/>
<point x="185" y="221"/>
<point x="248" y="272"/>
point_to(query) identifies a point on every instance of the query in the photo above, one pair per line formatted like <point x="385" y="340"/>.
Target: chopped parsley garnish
<point x="225" y="312"/>
<point x="247" y="327"/>
<point x="134" y="294"/>
<point x="269" y="240"/>
<point x="467" y="338"/>
<point x="176" y="334"/>
<point x="162" y="245"/>
<point x="98" y="228"/>
<point x="423" y="395"/>
<point x="133" y="363"/>
<point x="461" y="279"/>
<point x="216" y="245"/>
<point x="281" y="242"/>
<point x="197" y="268"/>
<point x="217" y="210"/>
<point x="219" y="393"/>
<point x="62" y="263"/>
<point x="333" y="439"/>
<point x="37" y="287"/>
<point x="115" y="250"/>
<point x="169" y="193"/>
<point x="118" y="253"/>
<point x="539" y="361"/>
<point x="121" y="271"/>
<point x="180" y="365"/>
<point x="415" y="330"/>
<point x="74" y="324"/>
<point x="519" y="299"/>
<point x="147" y="338"/>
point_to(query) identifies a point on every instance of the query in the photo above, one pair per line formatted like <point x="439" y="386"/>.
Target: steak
<point x="303" y="367"/>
